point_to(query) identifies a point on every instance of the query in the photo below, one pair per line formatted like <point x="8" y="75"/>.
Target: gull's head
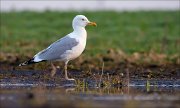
<point x="82" y="21"/>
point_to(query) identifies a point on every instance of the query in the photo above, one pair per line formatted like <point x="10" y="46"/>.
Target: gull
<point x="67" y="48"/>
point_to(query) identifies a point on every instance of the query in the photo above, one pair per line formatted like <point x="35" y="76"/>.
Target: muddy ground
<point x="110" y="80"/>
<point x="117" y="65"/>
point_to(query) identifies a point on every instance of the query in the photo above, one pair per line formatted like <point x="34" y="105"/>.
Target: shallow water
<point x="138" y="93"/>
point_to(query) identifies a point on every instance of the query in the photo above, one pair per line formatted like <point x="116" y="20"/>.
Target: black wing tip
<point x="31" y="61"/>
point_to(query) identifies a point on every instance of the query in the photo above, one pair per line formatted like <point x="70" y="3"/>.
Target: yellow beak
<point x="92" y="24"/>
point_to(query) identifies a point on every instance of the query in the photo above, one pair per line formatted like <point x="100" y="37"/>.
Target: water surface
<point x="138" y="93"/>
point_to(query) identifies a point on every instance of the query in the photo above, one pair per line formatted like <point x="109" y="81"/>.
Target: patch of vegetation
<point x="28" y="32"/>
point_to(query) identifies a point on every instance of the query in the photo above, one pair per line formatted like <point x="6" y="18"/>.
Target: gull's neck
<point x="79" y="28"/>
<point x="80" y="31"/>
<point x="80" y="35"/>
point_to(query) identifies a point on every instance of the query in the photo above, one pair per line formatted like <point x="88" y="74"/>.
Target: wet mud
<point x="104" y="81"/>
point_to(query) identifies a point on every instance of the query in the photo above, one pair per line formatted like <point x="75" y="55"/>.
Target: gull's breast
<point x="75" y="52"/>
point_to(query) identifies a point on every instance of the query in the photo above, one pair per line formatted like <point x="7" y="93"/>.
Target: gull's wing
<point x="56" y="49"/>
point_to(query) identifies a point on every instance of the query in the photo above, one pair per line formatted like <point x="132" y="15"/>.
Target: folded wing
<point x="56" y="49"/>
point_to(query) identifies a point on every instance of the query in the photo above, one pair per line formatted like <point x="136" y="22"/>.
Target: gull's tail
<point x="31" y="61"/>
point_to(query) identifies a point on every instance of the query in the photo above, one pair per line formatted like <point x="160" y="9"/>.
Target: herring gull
<point x="67" y="48"/>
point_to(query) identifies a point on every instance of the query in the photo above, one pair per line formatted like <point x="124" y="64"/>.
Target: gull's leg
<point x="65" y="69"/>
<point x="53" y="71"/>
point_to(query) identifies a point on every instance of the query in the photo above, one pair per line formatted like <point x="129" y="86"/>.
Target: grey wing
<point x="55" y="50"/>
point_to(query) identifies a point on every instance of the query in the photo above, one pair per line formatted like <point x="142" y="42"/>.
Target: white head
<point x="81" y="21"/>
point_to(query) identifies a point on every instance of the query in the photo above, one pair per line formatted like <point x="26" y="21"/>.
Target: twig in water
<point x="127" y="77"/>
<point x="108" y="76"/>
<point x="102" y="72"/>
<point x="109" y="83"/>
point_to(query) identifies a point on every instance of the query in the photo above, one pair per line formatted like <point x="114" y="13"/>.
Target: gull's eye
<point x="82" y="19"/>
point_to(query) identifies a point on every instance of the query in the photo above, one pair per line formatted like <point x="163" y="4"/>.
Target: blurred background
<point x="129" y="26"/>
<point x="130" y="5"/>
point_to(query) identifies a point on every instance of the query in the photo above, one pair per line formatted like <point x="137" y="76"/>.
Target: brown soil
<point x="116" y="63"/>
